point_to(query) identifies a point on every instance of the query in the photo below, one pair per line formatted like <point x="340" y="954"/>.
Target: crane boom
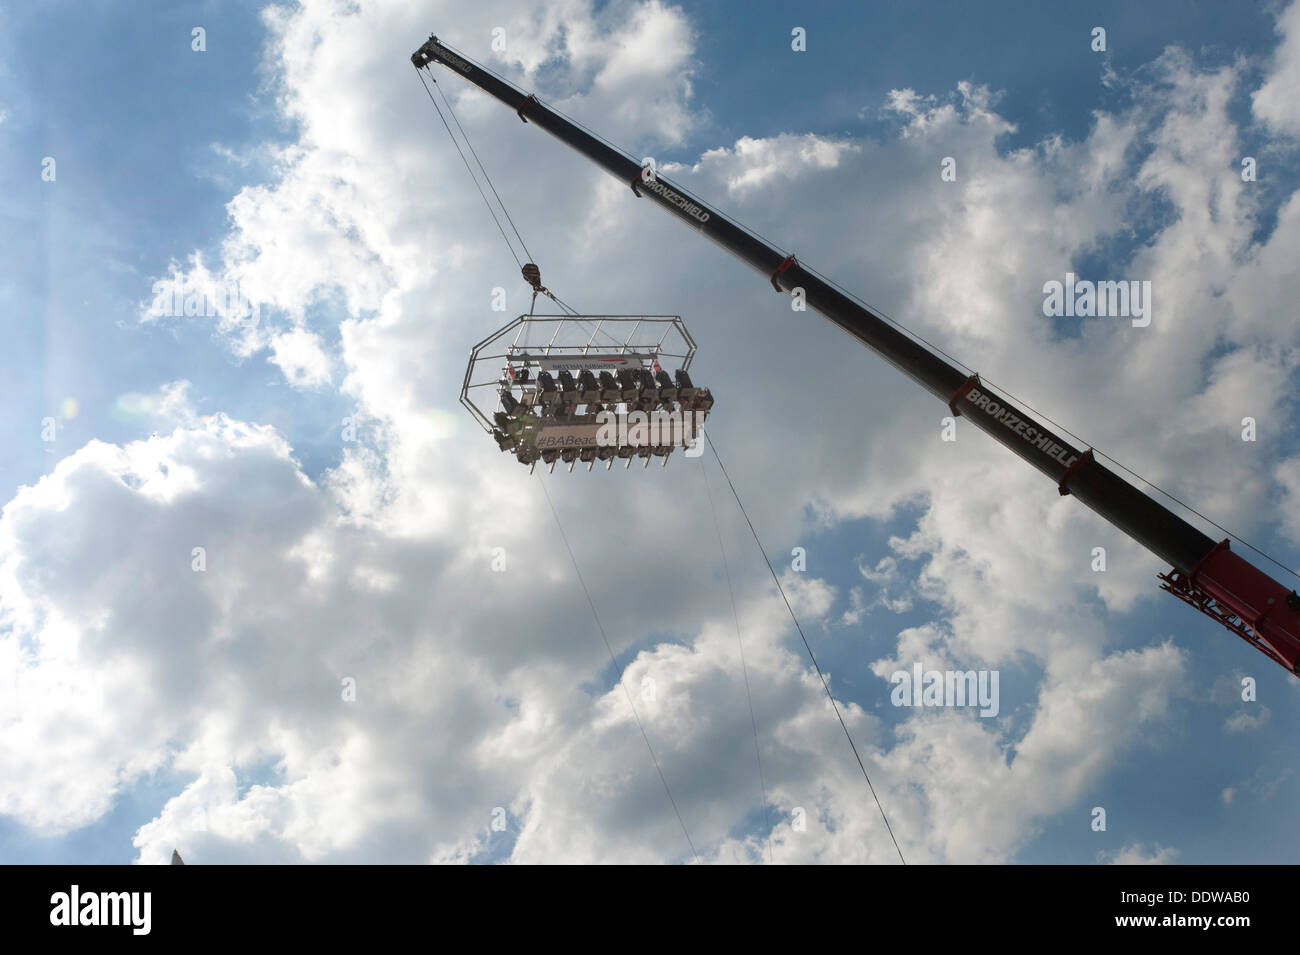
<point x="1205" y="574"/>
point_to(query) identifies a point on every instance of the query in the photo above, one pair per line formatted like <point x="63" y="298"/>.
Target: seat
<point x="667" y="390"/>
<point x="631" y="390"/>
<point x="550" y="394"/>
<point x="685" y="390"/>
<point x="649" y="389"/>
<point x="610" y="392"/>
<point x="569" y="391"/>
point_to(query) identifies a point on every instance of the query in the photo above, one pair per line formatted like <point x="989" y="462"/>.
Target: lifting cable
<point x="531" y="273"/>
<point x="464" y="135"/>
<point x="613" y="660"/>
<point x="744" y="668"/>
<point x="529" y="270"/>
<point x="461" y="152"/>
<point x="807" y="646"/>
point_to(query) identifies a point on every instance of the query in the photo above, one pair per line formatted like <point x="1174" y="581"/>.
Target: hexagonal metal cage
<point x="587" y="388"/>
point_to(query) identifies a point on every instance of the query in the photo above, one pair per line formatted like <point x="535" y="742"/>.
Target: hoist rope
<point x="744" y="667"/>
<point x="614" y="661"/>
<point x="527" y="255"/>
<point x="532" y="275"/>
<point x="461" y="152"/>
<point x="807" y="646"/>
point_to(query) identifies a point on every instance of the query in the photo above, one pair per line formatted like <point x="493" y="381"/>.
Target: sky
<point x="269" y="595"/>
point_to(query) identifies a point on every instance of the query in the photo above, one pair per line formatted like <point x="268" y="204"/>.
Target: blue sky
<point x="298" y="157"/>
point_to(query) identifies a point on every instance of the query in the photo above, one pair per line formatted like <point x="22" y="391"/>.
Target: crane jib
<point x="1206" y="575"/>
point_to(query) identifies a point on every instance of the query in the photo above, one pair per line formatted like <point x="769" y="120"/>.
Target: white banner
<point x="610" y="363"/>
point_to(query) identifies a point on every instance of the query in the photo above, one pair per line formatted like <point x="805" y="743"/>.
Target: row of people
<point x="557" y="399"/>
<point x="637" y="388"/>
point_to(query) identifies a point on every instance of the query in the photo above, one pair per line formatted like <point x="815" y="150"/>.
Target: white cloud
<point x="301" y="358"/>
<point x="1287" y="475"/>
<point x="886" y="577"/>
<point x="1245" y="720"/>
<point x="810" y="597"/>
<point x="1275" y="101"/>
<point x="755" y="164"/>
<point x="1139" y="854"/>
<point x="1260" y="786"/>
